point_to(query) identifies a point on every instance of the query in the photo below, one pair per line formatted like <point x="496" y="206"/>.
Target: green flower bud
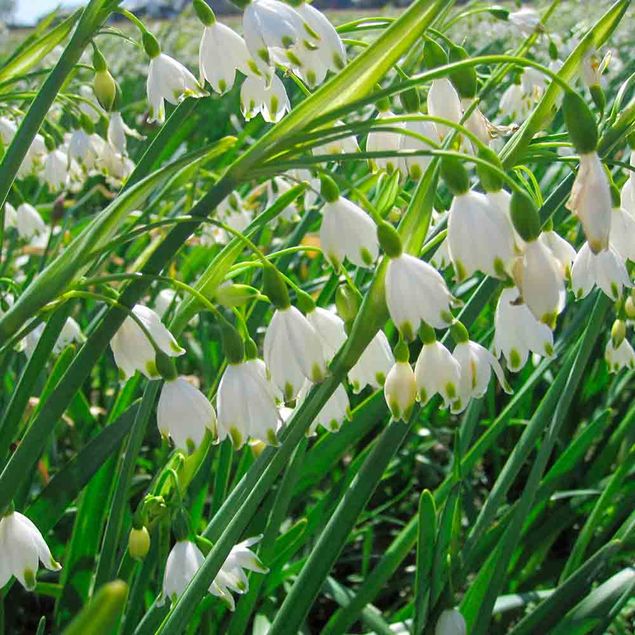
<point x="275" y="287"/>
<point x="455" y="175"/>
<point x="598" y="96"/>
<point x="501" y="13"/>
<point x="618" y="332"/>
<point x="151" y="45"/>
<point x="347" y="302"/>
<point x="525" y="217"/>
<point x="464" y="80"/>
<point x="490" y="180"/>
<point x="580" y="123"/>
<point x="553" y="50"/>
<point x="99" y="61"/>
<point x="629" y="307"/>
<point x="233" y="345"/>
<point x="138" y="543"/>
<point x="389" y="240"/>
<point x="105" y="89"/>
<point x="410" y="100"/>
<point x="204" y="12"/>
<point x="165" y="366"/>
<point x="232" y="295"/>
<point x="434" y="55"/>
<point x="328" y="189"/>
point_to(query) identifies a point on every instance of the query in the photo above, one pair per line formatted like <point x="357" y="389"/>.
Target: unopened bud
<point x="328" y="189"/>
<point x="233" y="345"/>
<point x="580" y="123"/>
<point x="618" y="332"/>
<point x="165" y="366"/>
<point x="105" y="89"/>
<point x="347" y="302"/>
<point x="455" y="175"/>
<point x="232" y="295"/>
<point x="151" y="45"/>
<point x="138" y="543"/>
<point x="524" y="215"/>
<point x="275" y="288"/>
<point x="490" y="179"/>
<point x="464" y="80"/>
<point x="389" y="240"/>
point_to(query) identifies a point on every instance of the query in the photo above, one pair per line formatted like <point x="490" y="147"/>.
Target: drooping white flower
<point x="477" y="123"/>
<point x="441" y="257"/>
<point x="56" y="170"/>
<point x="246" y="404"/>
<point x="184" y="414"/>
<point x="627" y="194"/>
<point x="373" y="364"/>
<point x="437" y="372"/>
<point x="28" y="222"/>
<point x="222" y="52"/>
<point x="81" y="148"/>
<point x="622" y="235"/>
<point x="605" y="270"/>
<point x="618" y="357"/>
<point x="476" y="364"/>
<point x="450" y="622"/>
<point x="400" y="390"/>
<point x="8" y="128"/>
<point x="591" y="201"/>
<point x="118" y="131"/>
<point x="514" y="103"/>
<point x="333" y="413"/>
<point x="330" y="330"/>
<point x="562" y="250"/>
<point x="416" y="292"/>
<point x="386" y="141"/>
<point x="480" y="236"/>
<point x="133" y="351"/>
<point x="22" y="548"/>
<point x="10" y="215"/>
<point x="540" y="278"/>
<point x="526" y="20"/>
<point x="271" y="24"/>
<point x="69" y="334"/>
<point x="347" y="231"/>
<point x="517" y="332"/>
<point x="33" y="157"/>
<point x="231" y="576"/>
<point x="168" y="80"/>
<point x="184" y="560"/>
<point x="417" y="165"/>
<point x="443" y="101"/>
<point x="293" y="352"/>
<point x="268" y="99"/>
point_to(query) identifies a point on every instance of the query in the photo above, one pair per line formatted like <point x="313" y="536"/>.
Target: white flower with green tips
<point x="184" y="560"/>
<point x="373" y="364"/>
<point x="604" y="269"/>
<point x="132" y="349"/>
<point x="437" y="372"/>
<point x="620" y="356"/>
<point x="268" y="98"/>
<point x="22" y="548"/>
<point x="400" y="390"/>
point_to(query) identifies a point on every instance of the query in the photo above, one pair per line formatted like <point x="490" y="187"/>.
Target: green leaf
<point x="427" y="523"/>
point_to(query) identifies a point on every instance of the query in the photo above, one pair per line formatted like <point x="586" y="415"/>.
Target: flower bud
<point x="553" y="50"/>
<point x="464" y="80"/>
<point x="347" y="302"/>
<point x="328" y="189"/>
<point x="231" y="295"/>
<point x="524" y="215"/>
<point x="204" y="12"/>
<point x="233" y="345"/>
<point x="389" y="240"/>
<point x="629" y="307"/>
<point x="618" y="332"/>
<point x="598" y="96"/>
<point x="151" y="45"/>
<point x="400" y="390"/>
<point x="275" y="288"/>
<point x="490" y="180"/>
<point x="455" y="175"/>
<point x="138" y="543"/>
<point x="580" y="123"/>
<point x="105" y="89"/>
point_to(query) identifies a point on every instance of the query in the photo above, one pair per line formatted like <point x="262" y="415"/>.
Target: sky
<point x="28" y="11"/>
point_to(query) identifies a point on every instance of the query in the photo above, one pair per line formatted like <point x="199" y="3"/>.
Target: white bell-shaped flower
<point x="417" y="165"/>
<point x="33" y="157"/>
<point x="620" y="356"/>
<point x="627" y="194"/>
<point x="330" y="330"/>
<point x="246" y="404"/>
<point x="118" y="130"/>
<point x="81" y="148"/>
<point x="268" y="99"/>
<point x="540" y="278"/>
<point x="222" y="52"/>
<point x="450" y="622"/>
<point x="437" y="372"/>
<point x="333" y="413"/>
<point x="400" y="390"/>
<point x="517" y="331"/>
<point x="443" y="101"/>
<point x="386" y="141"/>
<point x="514" y="102"/>
<point x="416" y="292"/>
<point x="184" y="414"/>
<point x="8" y="128"/>
<point x="56" y="170"/>
<point x="622" y="235"/>
<point x="590" y="201"/>
<point x="562" y="250"/>
<point x="476" y="364"/>
<point x="69" y="334"/>
<point x="526" y="20"/>
<point x="232" y="576"/>
<point x="480" y="236"/>
<point x="271" y="24"/>
<point x="184" y="560"/>
<point x="605" y="270"/>
<point x="22" y="548"/>
<point x="502" y="200"/>
<point x="133" y="351"/>
<point x="168" y="80"/>
<point x="10" y="215"/>
<point x="28" y="222"/>
<point x="293" y="352"/>
<point x="373" y="364"/>
<point x="347" y="231"/>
